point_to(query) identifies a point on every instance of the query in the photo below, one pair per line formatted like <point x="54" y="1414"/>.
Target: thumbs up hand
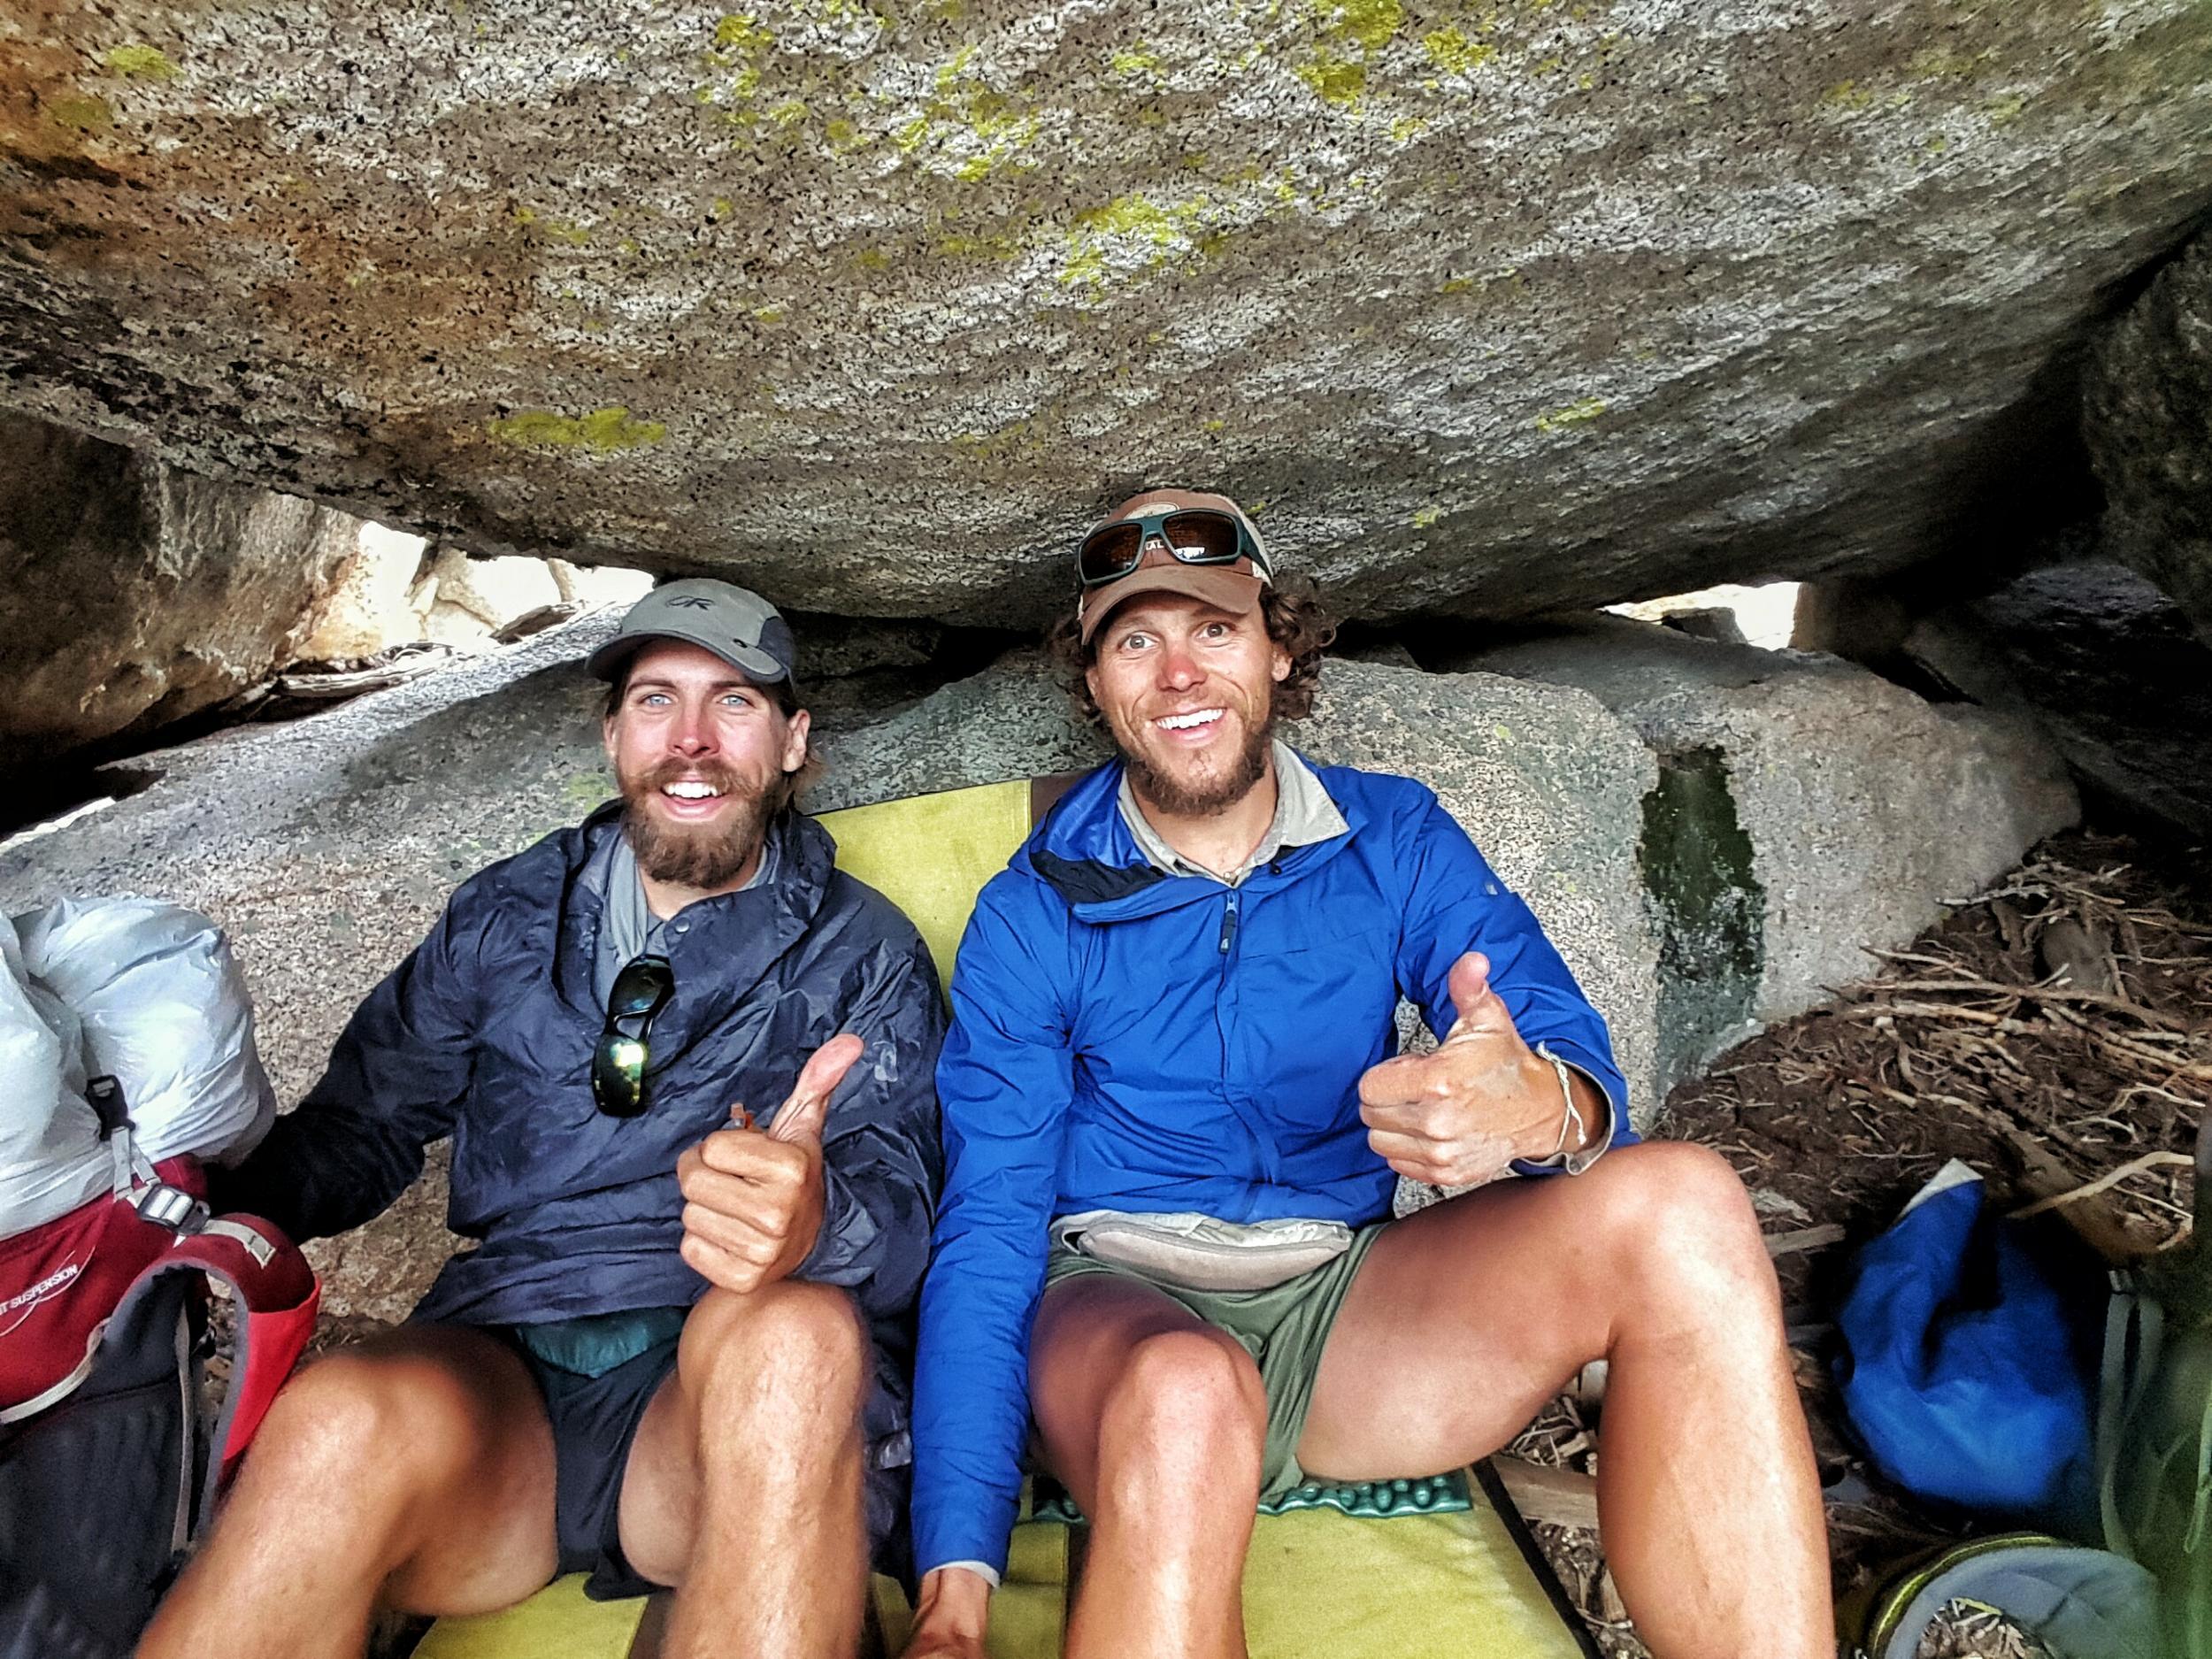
<point x="1457" y="1118"/>
<point x="799" y="1120"/>
<point x="753" y="1197"/>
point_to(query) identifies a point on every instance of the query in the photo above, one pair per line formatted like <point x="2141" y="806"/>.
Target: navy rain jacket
<point x="486" y="1033"/>
<point x="1126" y="1040"/>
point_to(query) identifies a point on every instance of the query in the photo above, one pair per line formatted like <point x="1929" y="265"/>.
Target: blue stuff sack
<point x="1967" y="1367"/>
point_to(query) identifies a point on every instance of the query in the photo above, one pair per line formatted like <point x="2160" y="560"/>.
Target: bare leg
<point x="415" y="1472"/>
<point x="1467" y="1317"/>
<point x="1155" y="1422"/>
<point x="743" y="1486"/>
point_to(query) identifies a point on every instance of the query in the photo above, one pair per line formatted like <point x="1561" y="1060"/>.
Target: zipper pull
<point x="1229" y="924"/>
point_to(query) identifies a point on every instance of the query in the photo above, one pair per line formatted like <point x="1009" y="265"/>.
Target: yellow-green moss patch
<point x="1368" y="24"/>
<point x="141" y="62"/>
<point x="82" y="115"/>
<point x="1574" y="415"/>
<point x="603" y="430"/>
<point x="1453" y="52"/>
<point x="1334" y="80"/>
<point x="741" y="32"/>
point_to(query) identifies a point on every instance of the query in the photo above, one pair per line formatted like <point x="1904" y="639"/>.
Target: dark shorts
<point x="595" y="1419"/>
<point x="1284" y="1328"/>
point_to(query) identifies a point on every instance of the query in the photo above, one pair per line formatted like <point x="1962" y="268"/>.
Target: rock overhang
<point x="873" y="304"/>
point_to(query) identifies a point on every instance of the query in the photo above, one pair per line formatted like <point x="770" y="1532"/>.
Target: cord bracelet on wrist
<point x="1570" y="1122"/>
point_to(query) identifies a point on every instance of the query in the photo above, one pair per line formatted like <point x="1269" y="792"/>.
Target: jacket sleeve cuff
<point x="982" y="1570"/>
<point x="977" y="1533"/>
<point x="1574" y="1163"/>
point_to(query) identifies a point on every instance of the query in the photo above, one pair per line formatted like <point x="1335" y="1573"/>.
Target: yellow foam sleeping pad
<point x="1318" y="1584"/>
<point x="930" y="854"/>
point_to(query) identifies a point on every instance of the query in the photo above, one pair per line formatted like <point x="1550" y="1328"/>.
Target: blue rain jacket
<point x="484" y="1033"/>
<point x="1127" y="1039"/>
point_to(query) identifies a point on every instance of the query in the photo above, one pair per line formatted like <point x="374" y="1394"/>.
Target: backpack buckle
<point x="170" y="1207"/>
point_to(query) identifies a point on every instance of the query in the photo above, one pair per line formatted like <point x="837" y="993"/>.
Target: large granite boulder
<point x="2106" y="665"/>
<point x="133" y="595"/>
<point x="1806" y="810"/>
<point x="327" y="846"/>
<point x="1690" y="848"/>
<point x="871" y="304"/>
<point x="2147" y="416"/>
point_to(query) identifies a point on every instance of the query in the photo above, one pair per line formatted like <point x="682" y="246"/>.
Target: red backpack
<point x="108" y="1467"/>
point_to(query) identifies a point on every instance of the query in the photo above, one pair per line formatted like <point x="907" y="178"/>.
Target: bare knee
<point x="782" y="1344"/>
<point x="1185" y="1409"/>
<point x="340" y="1413"/>
<point x="1680" y="1230"/>
<point x="362" y="1428"/>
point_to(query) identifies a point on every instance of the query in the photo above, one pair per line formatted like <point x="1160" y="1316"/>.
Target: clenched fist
<point x="1457" y="1118"/>
<point x="753" y="1197"/>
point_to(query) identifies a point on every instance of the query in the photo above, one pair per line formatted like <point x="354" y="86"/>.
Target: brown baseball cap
<point x="1235" y="588"/>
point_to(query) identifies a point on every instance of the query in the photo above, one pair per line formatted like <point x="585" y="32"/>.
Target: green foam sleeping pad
<point x="1367" y="1500"/>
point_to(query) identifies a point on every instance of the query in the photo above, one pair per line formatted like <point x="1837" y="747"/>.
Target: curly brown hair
<point x="1297" y="620"/>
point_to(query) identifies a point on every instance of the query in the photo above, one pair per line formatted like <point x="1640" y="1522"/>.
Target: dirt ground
<point x="2051" y="1033"/>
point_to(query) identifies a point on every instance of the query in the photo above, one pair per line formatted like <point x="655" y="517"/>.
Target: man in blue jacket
<point x="1173" y="1125"/>
<point x="678" y="1353"/>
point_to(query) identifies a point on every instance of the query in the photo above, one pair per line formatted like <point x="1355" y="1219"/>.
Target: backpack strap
<point x="136" y="1179"/>
<point x="276" y="1296"/>
<point x="2194" y="1540"/>
<point x="2134" y="1334"/>
<point x="2159" y="1308"/>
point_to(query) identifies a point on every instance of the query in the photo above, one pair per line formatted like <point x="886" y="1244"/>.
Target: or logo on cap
<point x="735" y="624"/>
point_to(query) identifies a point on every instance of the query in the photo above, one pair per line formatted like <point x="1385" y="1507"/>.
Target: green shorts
<point x="1284" y="1328"/>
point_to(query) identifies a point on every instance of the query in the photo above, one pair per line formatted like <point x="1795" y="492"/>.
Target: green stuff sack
<point x="2155" y="1423"/>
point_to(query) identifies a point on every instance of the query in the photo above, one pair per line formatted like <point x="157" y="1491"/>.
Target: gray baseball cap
<point x="737" y="625"/>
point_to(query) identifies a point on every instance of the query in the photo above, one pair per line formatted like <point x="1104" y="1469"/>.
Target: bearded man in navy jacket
<point x="677" y="1354"/>
<point x="1174" y="1119"/>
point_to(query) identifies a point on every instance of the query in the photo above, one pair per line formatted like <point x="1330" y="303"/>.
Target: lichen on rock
<point x="1614" y="301"/>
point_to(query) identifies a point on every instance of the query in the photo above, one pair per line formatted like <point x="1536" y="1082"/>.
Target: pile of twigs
<point x="2056" y="1034"/>
<point x="2086" y="1048"/>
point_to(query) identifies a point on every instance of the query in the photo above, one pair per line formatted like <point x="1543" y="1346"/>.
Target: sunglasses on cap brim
<point x="1194" y="535"/>
<point x="618" y="1063"/>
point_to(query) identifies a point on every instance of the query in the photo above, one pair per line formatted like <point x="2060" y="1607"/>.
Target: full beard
<point x="702" y="856"/>
<point x="1201" y="793"/>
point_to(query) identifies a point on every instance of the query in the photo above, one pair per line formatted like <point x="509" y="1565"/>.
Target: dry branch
<point x="2104" y="1183"/>
<point x="2037" y="993"/>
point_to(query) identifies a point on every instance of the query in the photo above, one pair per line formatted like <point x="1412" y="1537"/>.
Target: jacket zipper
<point x="1263" y="1155"/>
